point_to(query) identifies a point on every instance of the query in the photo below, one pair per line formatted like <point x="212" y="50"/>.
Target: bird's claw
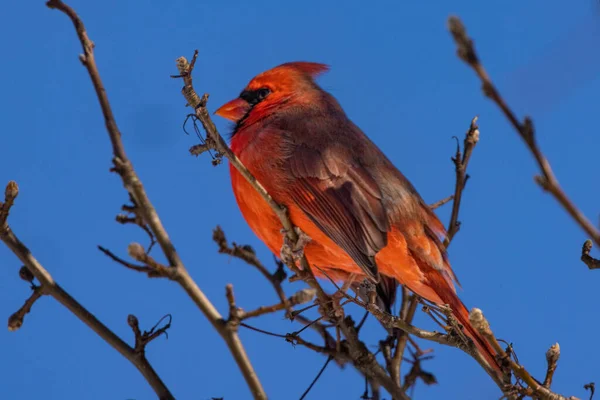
<point x="371" y="290"/>
<point x="291" y="252"/>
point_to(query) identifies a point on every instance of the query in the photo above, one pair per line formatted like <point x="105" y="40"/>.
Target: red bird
<point x="362" y="215"/>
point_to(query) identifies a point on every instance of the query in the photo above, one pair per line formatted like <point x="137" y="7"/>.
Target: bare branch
<point x="10" y="194"/>
<point x="133" y="185"/>
<point x="407" y="313"/>
<point x="139" y="268"/>
<point x="50" y="287"/>
<point x="15" y="321"/>
<point x="547" y="180"/>
<point x="441" y="202"/>
<point x="301" y="297"/>
<point x="590" y="261"/>
<point x="461" y="160"/>
<point x="246" y="254"/>
<point x="552" y="356"/>
<point x="137" y="219"/>
<point x="143" y="338"/>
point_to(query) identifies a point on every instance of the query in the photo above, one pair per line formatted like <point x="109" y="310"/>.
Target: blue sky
<point x="394" y="70"/>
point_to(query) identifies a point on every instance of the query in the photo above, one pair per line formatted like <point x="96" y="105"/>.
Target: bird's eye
<point x="255" y="96"/>
<point x="263" y="92"/>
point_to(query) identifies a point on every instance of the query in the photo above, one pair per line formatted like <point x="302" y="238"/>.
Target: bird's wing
<point x="342" y="199"/>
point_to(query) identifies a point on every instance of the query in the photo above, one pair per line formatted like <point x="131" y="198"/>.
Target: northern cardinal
<point x="362" y="215"/>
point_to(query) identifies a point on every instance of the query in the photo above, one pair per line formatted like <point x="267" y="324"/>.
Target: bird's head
<point x="288" y="83"/>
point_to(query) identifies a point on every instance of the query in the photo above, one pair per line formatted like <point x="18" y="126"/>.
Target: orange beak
<point x="234" y="110"/>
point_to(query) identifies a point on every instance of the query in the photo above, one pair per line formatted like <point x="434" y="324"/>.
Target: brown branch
<point x="301" y="297"/>
<point x="10" y="194"/>
<point x="246" y="254"/>
<point x="441" y="202"/>
<point x="538" y="390"/>
<point x="133" y="185"/>
<point x="461" y="160"/>
<point x="152" y="273"/>
<point x="552" y="356"/>
<point x="15" y="321"/>
<point x="416" y="371"/>
<point x="50" y="287"/>
<point x="547" y="180"/>
<point x="330" y="342"/>
<point x="136" y="220"/>
<point x="407" y="313"/>
<point x="143" y="338"/>
<point x="590" y="261"/>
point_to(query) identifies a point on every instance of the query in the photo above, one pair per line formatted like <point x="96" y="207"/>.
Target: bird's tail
<point x="439" y="289"/>
<point x="461" y="313"/>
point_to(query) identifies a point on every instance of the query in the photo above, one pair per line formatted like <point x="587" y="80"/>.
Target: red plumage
<point x="363" y="216"/>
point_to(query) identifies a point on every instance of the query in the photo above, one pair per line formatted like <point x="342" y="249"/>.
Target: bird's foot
<point x="371" y="290"/>
<point x="291" y="252"/>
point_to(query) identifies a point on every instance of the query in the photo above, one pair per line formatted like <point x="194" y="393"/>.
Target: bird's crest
<point x="310" y="68"/>
<point x="288" y="74"/>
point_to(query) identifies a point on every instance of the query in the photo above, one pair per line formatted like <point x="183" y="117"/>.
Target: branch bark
<point x="461" y="160"/>
<point x="588" y="260"/>
<point x="133" y="185"/>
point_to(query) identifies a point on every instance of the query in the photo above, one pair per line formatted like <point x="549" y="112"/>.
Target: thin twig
<point x="301" y="297"/>
<point x="316" y="378"/>
<point x="249" y="256"/>
<point x="320" y="329"/>
<point x="134" y="267"/>
<point x="142" y="339"/>
<point x="136" y="219"/>
<point x="133" y="185"/>
<point x="590" y="261"/>
<point x="547" y="180"/>
<point x="461" y="160"/>
<point x="252" y="328"/>
<point x="15" y="321"/>
<point x="552" y="356"/>
<point x="10" y="194"/>
<point x="407" y="314"/>
<point x="441" y="202"/>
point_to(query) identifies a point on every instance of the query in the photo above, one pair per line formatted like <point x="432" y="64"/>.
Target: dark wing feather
<point x="342" y="199"/>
